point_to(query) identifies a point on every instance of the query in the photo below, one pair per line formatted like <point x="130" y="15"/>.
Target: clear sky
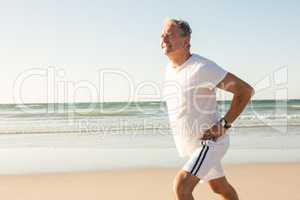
<point x="259" y="41"/>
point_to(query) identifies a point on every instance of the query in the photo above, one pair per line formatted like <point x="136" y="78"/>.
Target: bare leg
<point x="222" y="187"/>
<point x="184" y="184"/>
<point x="231" y="194"/>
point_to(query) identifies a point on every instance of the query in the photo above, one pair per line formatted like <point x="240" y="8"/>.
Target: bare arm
<point x="242" y="93"/>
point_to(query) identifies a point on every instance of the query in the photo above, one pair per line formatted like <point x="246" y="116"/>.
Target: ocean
<point x="129" y="118"/>
<point x="91" y="136"/>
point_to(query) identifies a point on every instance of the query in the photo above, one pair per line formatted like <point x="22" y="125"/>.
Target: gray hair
<point x="184" y="26"/>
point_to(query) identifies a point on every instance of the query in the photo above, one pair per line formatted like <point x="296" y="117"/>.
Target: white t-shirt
<point x="190" y="95"/>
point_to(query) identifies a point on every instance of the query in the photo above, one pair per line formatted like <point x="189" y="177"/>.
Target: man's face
<point x="170" y="40"/>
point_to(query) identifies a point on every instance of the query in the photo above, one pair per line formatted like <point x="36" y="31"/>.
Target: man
<point x="199" y="131"/>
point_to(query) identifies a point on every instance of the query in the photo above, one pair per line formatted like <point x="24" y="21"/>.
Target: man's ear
<point x="186" y="42"/>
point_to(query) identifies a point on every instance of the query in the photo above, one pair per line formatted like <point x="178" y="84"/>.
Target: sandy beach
<point x="253" y="181"/>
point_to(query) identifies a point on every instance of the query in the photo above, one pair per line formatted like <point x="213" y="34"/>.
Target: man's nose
<point x="165" y="39"/>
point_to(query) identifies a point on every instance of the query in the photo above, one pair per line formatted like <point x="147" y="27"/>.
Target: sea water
<point x="114" y="135"/>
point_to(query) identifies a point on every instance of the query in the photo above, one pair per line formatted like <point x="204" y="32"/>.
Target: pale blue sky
<point x="252" y="39"/>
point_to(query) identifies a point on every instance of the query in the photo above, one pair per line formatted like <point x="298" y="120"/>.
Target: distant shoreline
<point x="83" y="102"/>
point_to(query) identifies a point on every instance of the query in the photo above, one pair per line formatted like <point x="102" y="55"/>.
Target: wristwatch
<point x="224" y="123"/>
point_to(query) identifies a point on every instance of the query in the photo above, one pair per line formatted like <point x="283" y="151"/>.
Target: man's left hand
<point x="214" y="132"/>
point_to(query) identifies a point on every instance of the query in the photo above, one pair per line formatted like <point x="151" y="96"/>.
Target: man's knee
<point x="184" y="183"/>
<point x="220" y="186"/>
<point x="220" y="190"/>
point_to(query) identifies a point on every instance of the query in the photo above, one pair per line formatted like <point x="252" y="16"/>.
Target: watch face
<point x="224" y="124"/>
<point x="227" y="126"/>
